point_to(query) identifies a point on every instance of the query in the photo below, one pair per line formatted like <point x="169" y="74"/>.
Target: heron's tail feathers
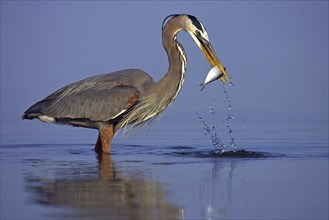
<point x="33" y="112"/>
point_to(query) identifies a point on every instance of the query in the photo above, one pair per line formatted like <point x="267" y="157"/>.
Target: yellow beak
<point x="211" y="56"/>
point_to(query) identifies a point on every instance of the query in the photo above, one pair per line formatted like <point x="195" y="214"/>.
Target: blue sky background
<point x="275" y="51"/>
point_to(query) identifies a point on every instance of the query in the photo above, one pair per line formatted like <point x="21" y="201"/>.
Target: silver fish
<point x="214" y="73"/>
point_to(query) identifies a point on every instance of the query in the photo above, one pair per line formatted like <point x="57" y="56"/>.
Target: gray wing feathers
<point x="96" y="105"/>
<point x="98" y="98"/>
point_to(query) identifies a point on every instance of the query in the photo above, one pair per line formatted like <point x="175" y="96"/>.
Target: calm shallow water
<point x="45" y="181"/>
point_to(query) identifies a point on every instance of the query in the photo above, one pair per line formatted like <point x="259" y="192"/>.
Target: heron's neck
<point x="172" y="82"/>
<point x="161" y="94"/>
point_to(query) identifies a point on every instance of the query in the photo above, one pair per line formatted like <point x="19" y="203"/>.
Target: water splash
<point x="229" y="118"/>
<point x="215" y="140"/>
<point x="211" y="130"/>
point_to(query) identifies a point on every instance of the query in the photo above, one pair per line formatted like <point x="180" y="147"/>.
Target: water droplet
<point x="211" y="110"/>
<point x="244" y="119"/>
<point x="229" y="117"/>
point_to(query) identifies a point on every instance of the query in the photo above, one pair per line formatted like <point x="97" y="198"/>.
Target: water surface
<point x="154" y="181"/>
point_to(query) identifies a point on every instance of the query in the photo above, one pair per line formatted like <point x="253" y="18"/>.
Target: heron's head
<point x="199" y="34"/>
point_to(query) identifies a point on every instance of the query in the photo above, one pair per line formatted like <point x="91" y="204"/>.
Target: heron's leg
<point x="104" y="140"/>
<point x="98" y="145"/>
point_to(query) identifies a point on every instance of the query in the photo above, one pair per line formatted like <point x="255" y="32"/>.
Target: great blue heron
<point x="109" y="102"/>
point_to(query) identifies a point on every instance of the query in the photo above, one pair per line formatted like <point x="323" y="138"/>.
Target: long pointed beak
<point x="211" y="56"/>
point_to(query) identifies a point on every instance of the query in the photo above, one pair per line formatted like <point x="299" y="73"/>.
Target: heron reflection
<point x="112" y="194"/>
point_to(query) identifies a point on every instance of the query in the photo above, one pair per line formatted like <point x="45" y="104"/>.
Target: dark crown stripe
<point x="196" y="22"/>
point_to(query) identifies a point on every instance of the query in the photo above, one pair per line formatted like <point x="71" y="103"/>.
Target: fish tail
<point x="202" y="86"/>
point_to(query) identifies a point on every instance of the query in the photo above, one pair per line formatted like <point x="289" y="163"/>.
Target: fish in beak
<point x="214" y="74"/>
<point x="211" y="56"/>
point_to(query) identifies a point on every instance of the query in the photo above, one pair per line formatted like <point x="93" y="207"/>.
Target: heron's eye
<point x="197" y="32"/>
